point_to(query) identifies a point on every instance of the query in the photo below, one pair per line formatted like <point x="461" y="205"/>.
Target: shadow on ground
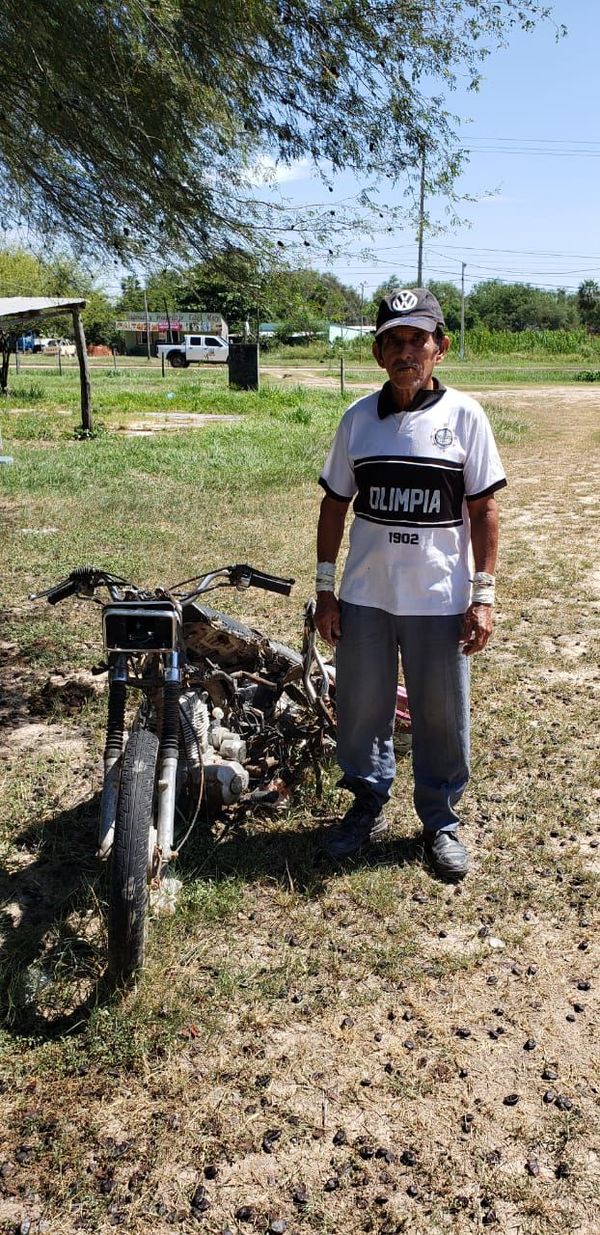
<point x="53" y="906"/>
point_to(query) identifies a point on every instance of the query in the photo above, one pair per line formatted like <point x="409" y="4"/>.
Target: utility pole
<point x="462" y="312"/>
<point x="169" y="331"/>
<point x="147" y="324"/>
<point x="421" y="230"/>
<point x="362" y="301"/>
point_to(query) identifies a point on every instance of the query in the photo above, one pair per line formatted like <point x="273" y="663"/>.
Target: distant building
<point x="165" y="329"/>
<point x="346" y="333"/>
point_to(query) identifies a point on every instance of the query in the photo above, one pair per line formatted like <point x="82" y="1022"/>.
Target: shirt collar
<point x="422" y="399"/>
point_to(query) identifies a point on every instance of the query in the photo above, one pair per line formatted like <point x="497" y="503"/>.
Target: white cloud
<point x="267" y="170"/>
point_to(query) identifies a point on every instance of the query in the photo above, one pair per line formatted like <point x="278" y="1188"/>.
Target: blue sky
<point x="534" y="169"/>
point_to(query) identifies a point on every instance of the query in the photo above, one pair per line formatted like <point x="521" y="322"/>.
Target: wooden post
<point x="84" y="372"/>
<point x="59" y="359"/>
<point x="7" y="342"/>
<point x="4" y="362"/>
<point x="162" y="363"/>
<point x="342" y="387"/>
<point x="114" y="360"/>
<point x="17" y="364"/>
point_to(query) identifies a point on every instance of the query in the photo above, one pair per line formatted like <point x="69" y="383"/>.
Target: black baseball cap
<point x="409" y="306"/>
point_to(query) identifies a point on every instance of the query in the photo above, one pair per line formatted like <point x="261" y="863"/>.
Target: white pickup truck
<point x="195" y="349"/>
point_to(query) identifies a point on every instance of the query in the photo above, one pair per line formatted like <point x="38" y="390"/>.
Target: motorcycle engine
<point x="213" y="750"/>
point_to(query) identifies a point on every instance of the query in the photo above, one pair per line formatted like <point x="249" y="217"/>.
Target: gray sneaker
<point x="361" y="825"/>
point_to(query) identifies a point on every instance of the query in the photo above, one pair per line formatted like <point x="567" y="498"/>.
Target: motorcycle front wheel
<point x="128" y="900"/>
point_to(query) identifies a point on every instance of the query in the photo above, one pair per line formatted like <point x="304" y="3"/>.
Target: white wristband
<point x="325" y="577"/>
<point x="483" y="591"/>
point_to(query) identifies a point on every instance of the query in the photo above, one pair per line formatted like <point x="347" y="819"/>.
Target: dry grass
<point x="331" y="1049"/>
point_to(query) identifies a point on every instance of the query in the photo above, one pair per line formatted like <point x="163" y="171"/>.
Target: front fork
<point x="113" y="755"/>
<point x="167" y="759"/>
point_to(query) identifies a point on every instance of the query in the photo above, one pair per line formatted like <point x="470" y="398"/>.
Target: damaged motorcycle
<point x="205" y="715"/>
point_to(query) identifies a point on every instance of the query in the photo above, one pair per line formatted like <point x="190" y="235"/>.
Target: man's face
<point x="409" y="356"/>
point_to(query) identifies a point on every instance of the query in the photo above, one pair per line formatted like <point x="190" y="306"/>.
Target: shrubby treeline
<point x="24" y="274"/>
<point x="302" y="300"/>
<point x="244" y="289"/>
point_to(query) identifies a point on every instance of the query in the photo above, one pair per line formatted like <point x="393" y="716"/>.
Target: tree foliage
<point x="448" y="295"/>
<point x="136" y="125"/>
<point x="519" y="306"/>
<point x="242" y="288"/>
<point x="299" y="296"/>
<point x="25" y="274"/>
<point x="588" y="303"/>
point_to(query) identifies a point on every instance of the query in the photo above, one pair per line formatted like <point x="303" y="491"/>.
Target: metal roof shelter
<point x="17" y="312"/>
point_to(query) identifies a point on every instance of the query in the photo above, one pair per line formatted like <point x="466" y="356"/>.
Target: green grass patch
<point x="31" y="392"/>
<point x="211" y="901"/>
<point x="507" y="429"/>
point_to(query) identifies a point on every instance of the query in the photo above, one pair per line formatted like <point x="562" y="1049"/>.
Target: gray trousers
<point x="436" y="676"/>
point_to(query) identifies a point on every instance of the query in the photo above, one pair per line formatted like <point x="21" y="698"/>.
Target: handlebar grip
<point x="61" y="592"/>
<point x="271" y="583"/>
<point x="246" y="576"/>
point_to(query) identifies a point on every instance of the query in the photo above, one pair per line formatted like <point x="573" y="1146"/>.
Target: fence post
<point x="342" y="386"/>
<point x="17" y="360"/>
<point x="58" y="357"/>
<point x="162" y="363"/>
<point x="114" y="359"/>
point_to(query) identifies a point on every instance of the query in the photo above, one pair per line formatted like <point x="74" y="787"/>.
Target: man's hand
<point x="327" y="617"/>
<point x="477" y="628"/>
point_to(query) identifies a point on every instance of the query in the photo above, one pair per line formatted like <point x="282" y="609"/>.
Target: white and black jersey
<point x="410" y="475"/>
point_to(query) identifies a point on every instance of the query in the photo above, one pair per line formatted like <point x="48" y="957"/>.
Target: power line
<point x="548" y="141"/>
<point x="465" y="248"/>
<point x="529" y="151"/>
<point x="532" y="273"/>
<point x="545" y="146"/>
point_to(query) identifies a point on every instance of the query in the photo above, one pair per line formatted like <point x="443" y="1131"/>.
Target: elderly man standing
<point x="420" y="465"/>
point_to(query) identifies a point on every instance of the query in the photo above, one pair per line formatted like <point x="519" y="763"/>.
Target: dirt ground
<point x="364" y="1049"/>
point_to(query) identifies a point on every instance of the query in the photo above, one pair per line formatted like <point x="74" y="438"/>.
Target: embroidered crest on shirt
<point x="443" y="438"/>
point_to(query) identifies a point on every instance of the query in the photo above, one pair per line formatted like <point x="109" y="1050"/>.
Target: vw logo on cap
<point x="404" y="302"/>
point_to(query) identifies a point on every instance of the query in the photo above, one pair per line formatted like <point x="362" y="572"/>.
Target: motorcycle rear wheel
<point x="128" y="899"/>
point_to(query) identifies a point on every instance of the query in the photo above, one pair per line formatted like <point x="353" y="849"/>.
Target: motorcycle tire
<point x="128" y="899"/>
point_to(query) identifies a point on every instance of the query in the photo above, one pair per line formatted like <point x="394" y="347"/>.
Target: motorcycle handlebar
<point x="83" y="578"/>
<point x="89" y="578"/>
<point x="244" y="576"/>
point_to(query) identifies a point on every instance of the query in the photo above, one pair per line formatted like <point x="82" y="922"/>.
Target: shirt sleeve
<point x="483" y="470"/>
<point x="337" y="476"/>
